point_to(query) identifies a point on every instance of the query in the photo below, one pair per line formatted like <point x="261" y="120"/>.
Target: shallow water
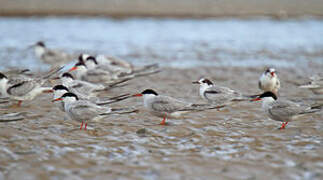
<point x="180" y="43"/>
<point x="234" y="143"/>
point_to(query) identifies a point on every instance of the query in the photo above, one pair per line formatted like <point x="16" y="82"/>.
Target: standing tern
<point x="217" y="94"/>
<point x="26" y="89"/>
<point x="269" y="81"/>
<point x="283" y="110"/>
<point x="51" y="56"/>
<point x="165" y="106"/>
<point x="59" y="90"/>
<point x="84" y="111"/>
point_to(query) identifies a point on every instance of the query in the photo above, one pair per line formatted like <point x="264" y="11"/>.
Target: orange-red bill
<point x="57" y="99"/>
<point x="256" y="99"/>
<point x="72" y="69"/>
<point x="137" y="95"/>
<point x="48" y="91"/>
<point x="272" y="73"/>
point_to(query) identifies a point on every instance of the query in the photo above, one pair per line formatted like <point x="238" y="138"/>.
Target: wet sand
<point x="238" y="142"/>
<point x="162" y="8"/>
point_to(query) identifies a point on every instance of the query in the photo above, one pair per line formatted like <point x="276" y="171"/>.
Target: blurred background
<point x="181" y="33"/>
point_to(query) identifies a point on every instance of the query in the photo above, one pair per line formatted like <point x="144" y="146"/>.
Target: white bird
<point x="315" y="85"/>
<point x="51" y="56"/>
<point x="283" y="110"/>
<point x="25" y="89"/>
<point x="219" y="95"/>
<point x="84" y="111"/>
<point x="269" y="81"/>
<point x="165" y="106"/>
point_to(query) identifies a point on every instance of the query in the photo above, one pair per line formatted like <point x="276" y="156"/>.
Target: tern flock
<point x="77" y="92"/>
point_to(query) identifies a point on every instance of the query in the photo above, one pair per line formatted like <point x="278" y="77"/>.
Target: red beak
<point x="272" y="74"/>
<point x="137" y="95"/>
<point x="58" y="99"/>
<point x="256" y="99"/>
<point x="48" y="91"/>
<point x="72" y="69"/>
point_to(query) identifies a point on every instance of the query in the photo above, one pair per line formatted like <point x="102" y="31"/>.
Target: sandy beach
<point x="162" y="8"/>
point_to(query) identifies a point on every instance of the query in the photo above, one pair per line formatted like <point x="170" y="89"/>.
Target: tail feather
<point x="121" y="111"/>
<point x="114" y="99"/>
<point x="114" y="84"/>
<point x="202" y="107"/>
<point x="313" y="109"/>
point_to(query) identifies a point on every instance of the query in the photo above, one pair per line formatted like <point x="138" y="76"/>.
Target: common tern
<point x="26" y="89"/>
<point x="269" y="81"/>
<point x="51" y="56"/>
<point x="217" y="94"/>
<point x="283" y="110"/>
<point x="84" y="111"/>
<point x="82" y="87"/>
<point x="59" y="90"/>
<point x="90" y="71"/>
<point x="165" y="106"/>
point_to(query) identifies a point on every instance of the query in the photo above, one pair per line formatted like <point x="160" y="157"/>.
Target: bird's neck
<point x="267" y="102"/>
<point x="39" y="51"/>
<point x="203" y="88"/>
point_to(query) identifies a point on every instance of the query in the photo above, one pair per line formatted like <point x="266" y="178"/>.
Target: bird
<point x="82" y="87"/>
<point x="88" y="72"/>
<point x="26" y="89"/>
<point x="114" y="64"/>
<point x="51" y="56"/>
<point x="59" y="90"/>
<point x="165" y="106"/>
<point x="269" y="81"/>
<point x="108" y="63"/>
<point x="283" y="110"/>
<point x="315" y="85"/>
<point x="217" y="94"/>
<point x="84" y="111"/>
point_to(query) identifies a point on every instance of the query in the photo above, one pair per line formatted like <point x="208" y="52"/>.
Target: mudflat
<point x="237" y="142"/>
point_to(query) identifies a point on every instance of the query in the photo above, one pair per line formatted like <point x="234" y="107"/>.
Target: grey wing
<point x="168" y="104"/>
<point x="17" y="80"/>
<point x="97" y="76"/>
<point x="220" y="94"/>
<point x="56" y="56"/>
<point x="285" y="109"/>
<point x="85" y="111"/>
<point x="21" y="88"/>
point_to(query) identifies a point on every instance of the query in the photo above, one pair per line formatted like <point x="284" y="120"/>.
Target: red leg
<point x="164" y="121"/>
<point x="81" y="126"/>
<point x="85" y="126"/>
<point x="283" y="125"/>
<point x="19" y="103"/>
